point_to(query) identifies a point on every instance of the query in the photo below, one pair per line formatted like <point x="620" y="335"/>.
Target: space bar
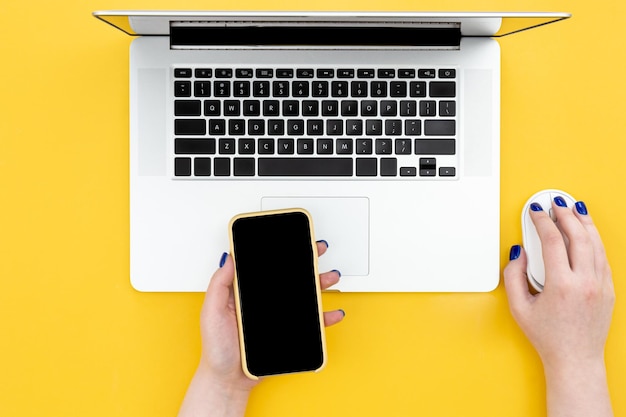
<point x="305" y="167"/>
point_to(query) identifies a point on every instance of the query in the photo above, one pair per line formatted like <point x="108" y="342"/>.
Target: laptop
<point x="384" y="126"/>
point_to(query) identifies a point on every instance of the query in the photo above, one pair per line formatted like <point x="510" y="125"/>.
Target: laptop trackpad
<point x="342" y="221"/>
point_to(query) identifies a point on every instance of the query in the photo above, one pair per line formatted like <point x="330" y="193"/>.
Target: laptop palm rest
<point x="343" y="222"/>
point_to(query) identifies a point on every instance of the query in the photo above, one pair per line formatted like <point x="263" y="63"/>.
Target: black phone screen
<point x="276" y="279"/>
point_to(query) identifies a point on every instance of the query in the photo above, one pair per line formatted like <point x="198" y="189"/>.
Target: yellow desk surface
<point x="77" y="340"/>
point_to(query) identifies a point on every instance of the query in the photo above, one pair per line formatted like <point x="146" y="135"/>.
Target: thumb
<point x="515" y="282"/>
<point x="221" y="284"/>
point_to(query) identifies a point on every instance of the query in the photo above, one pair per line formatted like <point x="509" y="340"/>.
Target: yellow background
<point x="77" y="340"/>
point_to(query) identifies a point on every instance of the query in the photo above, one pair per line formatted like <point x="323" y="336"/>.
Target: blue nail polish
<point x="560" y="202"/>
<point x="536" y="207"/>
<point x="516" y="251"/>
<point x="581" y="208"/>
<point x="342" y="312"/>
<point x="323" y="241"/>
<point x="223" y="259"/>
<point x="337" y="271"/>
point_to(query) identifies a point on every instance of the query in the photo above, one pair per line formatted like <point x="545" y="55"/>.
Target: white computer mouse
<point x="532" y="244"/>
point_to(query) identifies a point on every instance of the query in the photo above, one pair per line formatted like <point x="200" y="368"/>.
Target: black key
<point x="256" y="127"/>
<point x="349" y="108"/>
<point x="412" y="127"/>
<point x="324" y="146"/>
<point x="364" y="147"/>
<point x="266" y="146"/>
<point x="221" y="167"/>
<point x="366" y="167"/>
<point x="243" y="167"/>
<point x="305" y="167"/>
<point x="428" y="163"/>
<point x="182" y="88"/>
<point x="236" y="127"/>
<point x="182" y="72"/>
<point x="345" y="73"/>
<point x="223" y="73"/>
<point x="447" y="172"/>
<point x="388" y="108"/>
<point x="243" y="73"/>
<point x="182" y="167"/>
<point x="447" y="108"/>
<point x="304" y="73"/>
<point x="369" y="108"/>
<point x="305" y="146"/>
<point x="344" y="146"/>
<point x="397" y="89"/>
<point x="212" y="108"/>
<point x="217" y="127"/>
<point x="325" y="73"/>
<point x="291" y="108"/>
<point x="334" y="127"/>
<point x="403" y="147"/>
<point x="202" y="167"/>
<point x="285" y="147"/>
<point x="439" y="127"/>
<point x="300" y="88"/>
<point x="339" y="89"/>
<point x="354" y="127"/>
<point x="251" y="107"/>
<point x="427" y="172"/>
<point x="295" y="127"/>
<point x="383" y="146"/>
<point x="310" y="108"/>
<point x="232" y="108"/>
<point x="428" y="108"/>
<point x="280" y="88"/>
<point x="261" y="89"/>
<point x="187" y="107"/>
<point x="373" y="127"/>
<point x="245" y="146"/>
<point x="417" y="89"/>
<point x="386" y="73"/>
<point x="227" y="146"/>
<point x="330" y="108"/>
<point x="378" y="89"/>
<point x="189" y="127"/>
<point x="447" y="73"/>
<point x="408" y="171"/>
<point x="194" y="146"/>
<point x="365" y="73"/>
<point x="442" y="89"/>
<point x="271" y="107"/>
<point x="320" y="89"/>
<point x="393" y="127"/>
<point x="314" y="127"/>
<point x="264" y="73"/>
<point x="435" y="146"/>
<point x="241" y="88"/>
<point x="202" y="88"/>
<point x="388" y="167"/>
<point x="406" y="73"/>
<point x="284" y="73"/>
<point x="408" y="108"/>
<point x="204" y="73"/>
<point x="426" y="73"/>
<point x="358" y="88"/>
<point x="276" y="127"/>
<point x="221" y="88"/>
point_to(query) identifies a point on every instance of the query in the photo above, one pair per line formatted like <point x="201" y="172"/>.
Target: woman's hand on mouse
<point x="568" y="322"/>
<point x="219" y="384"/>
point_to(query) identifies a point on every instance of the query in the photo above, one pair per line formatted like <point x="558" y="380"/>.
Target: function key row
<point x="311" y="73"/>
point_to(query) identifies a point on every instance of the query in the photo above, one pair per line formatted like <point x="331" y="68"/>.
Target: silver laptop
<point x="384" y="126"/>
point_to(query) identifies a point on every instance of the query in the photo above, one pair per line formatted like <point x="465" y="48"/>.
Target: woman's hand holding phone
<point x="219" y="375"/>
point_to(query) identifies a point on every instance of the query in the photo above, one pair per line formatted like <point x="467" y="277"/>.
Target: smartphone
<point x="277" y="293"/>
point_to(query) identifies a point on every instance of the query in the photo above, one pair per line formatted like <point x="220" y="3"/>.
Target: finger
<point x="220" y="286"/>
<point x="600" y="259"/>
<point x="553" y="248"/>
<point x="329" y="279"/>
<point x="515" y="283"/>
<point x="322" y="245"/>
<point x="579" y="247"/>
<point x="333" y="317"/>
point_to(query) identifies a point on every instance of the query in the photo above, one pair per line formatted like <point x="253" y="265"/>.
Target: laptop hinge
<point x="324" y="35"/>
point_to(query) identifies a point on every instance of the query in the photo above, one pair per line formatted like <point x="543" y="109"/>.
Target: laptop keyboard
<point x="307" y="122"/>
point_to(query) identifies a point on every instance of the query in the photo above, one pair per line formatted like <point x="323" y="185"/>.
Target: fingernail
<point x="516" y="251"/>
<point x="337" y="271"/>
<point x="323" y="241"/>
<point x="223" y="259"/>
<point x="342" y="312"/>
<point x="560" y="202"/>
<point x="536" y="207"/>
<point x="581" y="208"/>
